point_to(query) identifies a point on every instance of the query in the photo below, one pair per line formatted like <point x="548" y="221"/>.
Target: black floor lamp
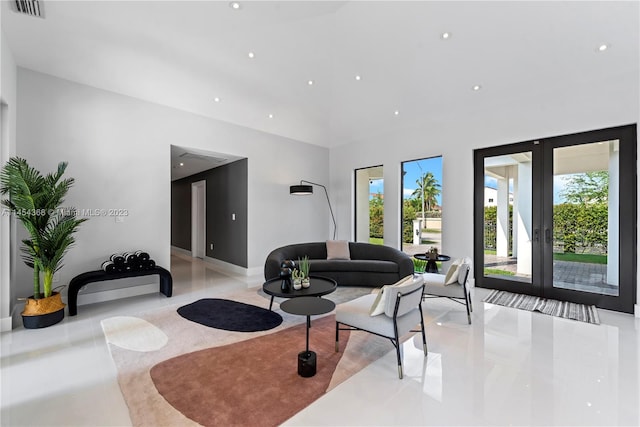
<point x="305" y="190"/>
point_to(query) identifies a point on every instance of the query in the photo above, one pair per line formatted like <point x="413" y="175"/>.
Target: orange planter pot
<point x="43" y="312"/>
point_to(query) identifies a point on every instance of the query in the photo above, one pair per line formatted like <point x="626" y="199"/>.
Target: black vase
<point x="285" y="275"/>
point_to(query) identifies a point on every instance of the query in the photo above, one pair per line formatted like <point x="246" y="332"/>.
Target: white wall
<point x="7" y="149"/>
<point x="483" y="122"/>
<point x="118" y="149"/>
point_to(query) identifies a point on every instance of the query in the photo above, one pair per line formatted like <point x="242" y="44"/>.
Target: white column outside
<point x="417" y="231"/>
<point x="362" y="206"/>
<point x="502" y="214"/>
<point x="522" y="199"/>
<point x="614" y="214"/>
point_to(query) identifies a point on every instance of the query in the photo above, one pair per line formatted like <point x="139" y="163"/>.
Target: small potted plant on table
<point x="304" y="271"/>
<point x="36" y="200"/>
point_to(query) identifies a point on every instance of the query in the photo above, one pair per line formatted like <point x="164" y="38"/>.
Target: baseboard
<point x="227" y="267"/>
<point x="224" y="266"/>
<point x="180" y="251"/>
<point x="255" y="271"/>
<point x="5" y="324"/>
<point x="16" y="314"/>
<point x="112" y="294"/>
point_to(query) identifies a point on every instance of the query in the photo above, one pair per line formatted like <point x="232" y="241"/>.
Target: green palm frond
<point x="57" y="238"/>
<point x="36" y="201"/>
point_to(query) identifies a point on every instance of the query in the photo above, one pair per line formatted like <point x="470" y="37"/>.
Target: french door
<point x="556" y="217"/>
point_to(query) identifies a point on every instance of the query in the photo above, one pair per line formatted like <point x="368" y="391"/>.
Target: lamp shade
<point x="301" y="190"/>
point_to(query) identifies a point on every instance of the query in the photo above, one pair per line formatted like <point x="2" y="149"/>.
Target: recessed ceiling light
<point x="310" y="82"/>
<point x="603" y="47"/>
<point x="477" y="87"/>
<point x="445" y="36"/>
<point x="251" y="55"/>
<point x="181" y="164"/>
<point x="358" y="77"/>
<point x="216" y="99"/>
<point x="271" y="116"/>
<point x="234" y="5"/>
<point x="395" y="113"/>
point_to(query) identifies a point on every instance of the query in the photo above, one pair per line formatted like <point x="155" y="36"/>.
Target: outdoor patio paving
<point x="586" y="277"/>
<point x="581" y="276"/>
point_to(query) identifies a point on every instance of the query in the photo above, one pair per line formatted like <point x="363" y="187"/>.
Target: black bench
<point x="166" y="282"/>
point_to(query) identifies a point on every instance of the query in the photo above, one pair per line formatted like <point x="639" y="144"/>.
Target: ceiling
<point x="187" y="161"/>
<point x="186" y="54"/>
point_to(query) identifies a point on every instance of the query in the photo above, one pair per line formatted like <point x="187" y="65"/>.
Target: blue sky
<point x="433" y="165"/>
<point x="415" y="169"/>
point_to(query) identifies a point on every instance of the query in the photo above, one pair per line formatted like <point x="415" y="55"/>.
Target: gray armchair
<point x="434" y="287"/>
<point x="403" y="311"/>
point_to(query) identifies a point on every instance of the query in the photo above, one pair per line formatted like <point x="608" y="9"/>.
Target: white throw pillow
<point x="378" y="305"/>
<point x="452" y="275"/>
<point x="393" y="290"/>
<point x="380" y="302"/>
<point x="338" y="249"/>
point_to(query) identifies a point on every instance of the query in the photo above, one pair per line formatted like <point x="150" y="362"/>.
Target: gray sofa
<point x="370" y="265"/>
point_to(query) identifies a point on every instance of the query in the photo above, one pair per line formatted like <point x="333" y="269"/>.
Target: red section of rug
<point x="252" y="382"/>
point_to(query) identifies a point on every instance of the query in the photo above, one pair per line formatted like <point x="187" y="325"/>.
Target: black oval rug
<point x="230" y="315"/>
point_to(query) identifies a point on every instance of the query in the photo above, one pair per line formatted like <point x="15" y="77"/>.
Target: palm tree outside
<point x="428" y="190"/>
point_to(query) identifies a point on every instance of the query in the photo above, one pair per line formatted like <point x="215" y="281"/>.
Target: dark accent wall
<point x="181" y="213"/>
<point x="226" y="195"/>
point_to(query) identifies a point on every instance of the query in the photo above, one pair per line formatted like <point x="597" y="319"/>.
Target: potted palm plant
<point x="36" y="200"/>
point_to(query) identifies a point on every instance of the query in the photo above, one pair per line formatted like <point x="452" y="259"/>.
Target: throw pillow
<point x="452" y="275"/>
<point x="380" y="302"/>
<point x="392" y="292"/>
<point x="338" y="249"/>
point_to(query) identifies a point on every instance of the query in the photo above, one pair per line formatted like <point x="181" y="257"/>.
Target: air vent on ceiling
<point x="209" y="159"/>
<point x="30" y="7"/>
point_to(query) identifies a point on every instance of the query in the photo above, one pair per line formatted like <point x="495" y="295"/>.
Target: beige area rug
<point x="227" y="394"/>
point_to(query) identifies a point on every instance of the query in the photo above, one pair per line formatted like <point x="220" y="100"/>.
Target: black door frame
<point x="542" y="218"/>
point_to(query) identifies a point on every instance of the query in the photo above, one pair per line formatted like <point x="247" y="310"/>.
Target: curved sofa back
<point x="318" y="250"/>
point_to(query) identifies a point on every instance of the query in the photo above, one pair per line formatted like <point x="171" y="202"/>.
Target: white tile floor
<point x="509" y="367"/>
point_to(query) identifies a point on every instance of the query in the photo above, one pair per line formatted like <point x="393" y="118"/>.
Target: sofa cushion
<point x="383" y="264"/>
<point x="318" y="265"/>
<point x="338" y="249"/>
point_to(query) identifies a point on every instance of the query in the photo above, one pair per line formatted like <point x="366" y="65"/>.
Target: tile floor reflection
<point x="508" y="367"/>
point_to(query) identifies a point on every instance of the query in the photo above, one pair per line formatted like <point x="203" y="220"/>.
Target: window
<point x="422" y="205"/>
<point x="369" y="206"/>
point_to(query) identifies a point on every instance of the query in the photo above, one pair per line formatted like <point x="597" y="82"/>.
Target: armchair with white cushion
<point x="394" y="312"/>
<point x="452" y="285"/>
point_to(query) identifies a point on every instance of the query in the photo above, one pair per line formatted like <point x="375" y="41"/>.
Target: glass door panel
<point x="507" y="222"/>
<point x="585" y="217"/>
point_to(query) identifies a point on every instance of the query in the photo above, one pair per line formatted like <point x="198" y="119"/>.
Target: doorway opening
<point x="198" y="218"/>
<point x="209" y="206"/>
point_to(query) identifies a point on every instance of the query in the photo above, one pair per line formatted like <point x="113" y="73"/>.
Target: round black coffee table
<point x="307" y="306"/>
<point x="431" y="266"/>
<point x="319" y="286"/>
